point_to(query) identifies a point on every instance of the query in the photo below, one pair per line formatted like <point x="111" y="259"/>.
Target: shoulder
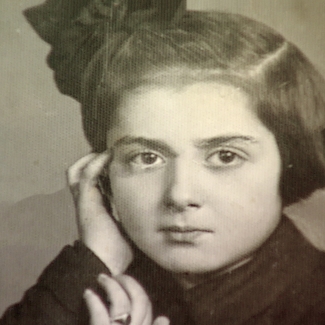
<point x="301" y="300"/>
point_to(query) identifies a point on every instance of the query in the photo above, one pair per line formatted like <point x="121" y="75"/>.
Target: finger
<point x="94" y="168"/>
<point x="116" y="295"/>
<point x="161" y="320"/>
<point x="141" y="309"/>
<point x="73" y="173"/>
<point x="90" y="196"/>
<point x="97" y="310"/>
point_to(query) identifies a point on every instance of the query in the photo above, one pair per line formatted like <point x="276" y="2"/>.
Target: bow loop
<point x="76" y="29"/>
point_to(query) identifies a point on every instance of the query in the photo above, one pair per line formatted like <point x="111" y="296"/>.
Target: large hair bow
<point x="76" y="29"/>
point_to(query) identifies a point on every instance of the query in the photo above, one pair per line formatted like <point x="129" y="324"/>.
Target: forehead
<point x="199" y="110"/>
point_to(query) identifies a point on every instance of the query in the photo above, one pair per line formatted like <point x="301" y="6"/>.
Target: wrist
<point x="115" y="259"/>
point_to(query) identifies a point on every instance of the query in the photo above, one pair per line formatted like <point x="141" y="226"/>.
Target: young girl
<point x="204" y="127"/>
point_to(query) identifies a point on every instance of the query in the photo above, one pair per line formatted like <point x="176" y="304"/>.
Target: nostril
<point x="180" y="207"/>
<point x="193" y="205"/>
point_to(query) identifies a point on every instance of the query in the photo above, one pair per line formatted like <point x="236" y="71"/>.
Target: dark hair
<point x="287" y="93"/>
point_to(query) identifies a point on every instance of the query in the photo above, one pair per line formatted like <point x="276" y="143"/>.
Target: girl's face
<point x="195" y="175"/>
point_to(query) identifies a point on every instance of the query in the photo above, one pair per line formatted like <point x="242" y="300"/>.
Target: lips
<point x="186" y="234"/>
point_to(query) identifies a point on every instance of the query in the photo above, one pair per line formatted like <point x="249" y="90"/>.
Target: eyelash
<point x="238" y="158"/>
<point x="130" y="159"/>
<point x="235" y="155"/>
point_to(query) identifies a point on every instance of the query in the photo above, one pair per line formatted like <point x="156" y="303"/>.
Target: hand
<point x="97" y="230"/>
<point x="126" y="297"/>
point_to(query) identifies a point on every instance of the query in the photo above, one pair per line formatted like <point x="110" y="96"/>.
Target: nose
<point x="183" y="190"/>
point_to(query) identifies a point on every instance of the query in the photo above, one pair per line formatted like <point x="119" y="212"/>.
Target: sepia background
<point x="41" y="135"/>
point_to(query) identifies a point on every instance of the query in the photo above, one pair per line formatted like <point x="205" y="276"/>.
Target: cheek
<point x="257" y="190"/>
<point x="136" y="197"/>
<point x="251" y="192"/>
<point x="246" y="211"/>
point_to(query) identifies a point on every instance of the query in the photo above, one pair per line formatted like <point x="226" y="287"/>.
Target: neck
<point x="190" y="280"/>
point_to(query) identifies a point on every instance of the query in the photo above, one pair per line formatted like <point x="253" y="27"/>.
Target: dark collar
<point x="233" y="297"/>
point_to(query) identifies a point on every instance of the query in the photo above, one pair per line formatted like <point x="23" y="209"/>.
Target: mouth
<point x="183" y="235"/>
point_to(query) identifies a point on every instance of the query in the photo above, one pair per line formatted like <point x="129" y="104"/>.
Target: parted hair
<point x="286" y="91"/>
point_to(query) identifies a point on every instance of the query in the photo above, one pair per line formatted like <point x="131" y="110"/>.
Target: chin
<point x="188" y="265"/>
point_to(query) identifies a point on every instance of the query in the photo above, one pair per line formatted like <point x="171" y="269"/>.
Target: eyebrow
<point x="159" y="145"/>
<point x="153" y="144"/>
<point x="217" y="141"/>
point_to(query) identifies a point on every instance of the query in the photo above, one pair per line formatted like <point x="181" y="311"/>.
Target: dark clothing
<point x="284" y="283"/>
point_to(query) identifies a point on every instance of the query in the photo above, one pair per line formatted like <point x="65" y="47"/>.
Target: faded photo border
<point x="41" y="136"/>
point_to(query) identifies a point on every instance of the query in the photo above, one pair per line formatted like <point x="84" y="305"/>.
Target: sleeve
<point x="57" y="296"/>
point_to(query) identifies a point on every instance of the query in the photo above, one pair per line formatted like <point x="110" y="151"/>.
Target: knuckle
<point x="86" y="173"/>
<point x="70" y="170"/>
<point x="70" y="176"/>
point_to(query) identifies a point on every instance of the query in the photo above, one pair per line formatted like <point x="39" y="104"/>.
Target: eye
<point x="147" y="160"/>
<point x="224" y="158"/>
